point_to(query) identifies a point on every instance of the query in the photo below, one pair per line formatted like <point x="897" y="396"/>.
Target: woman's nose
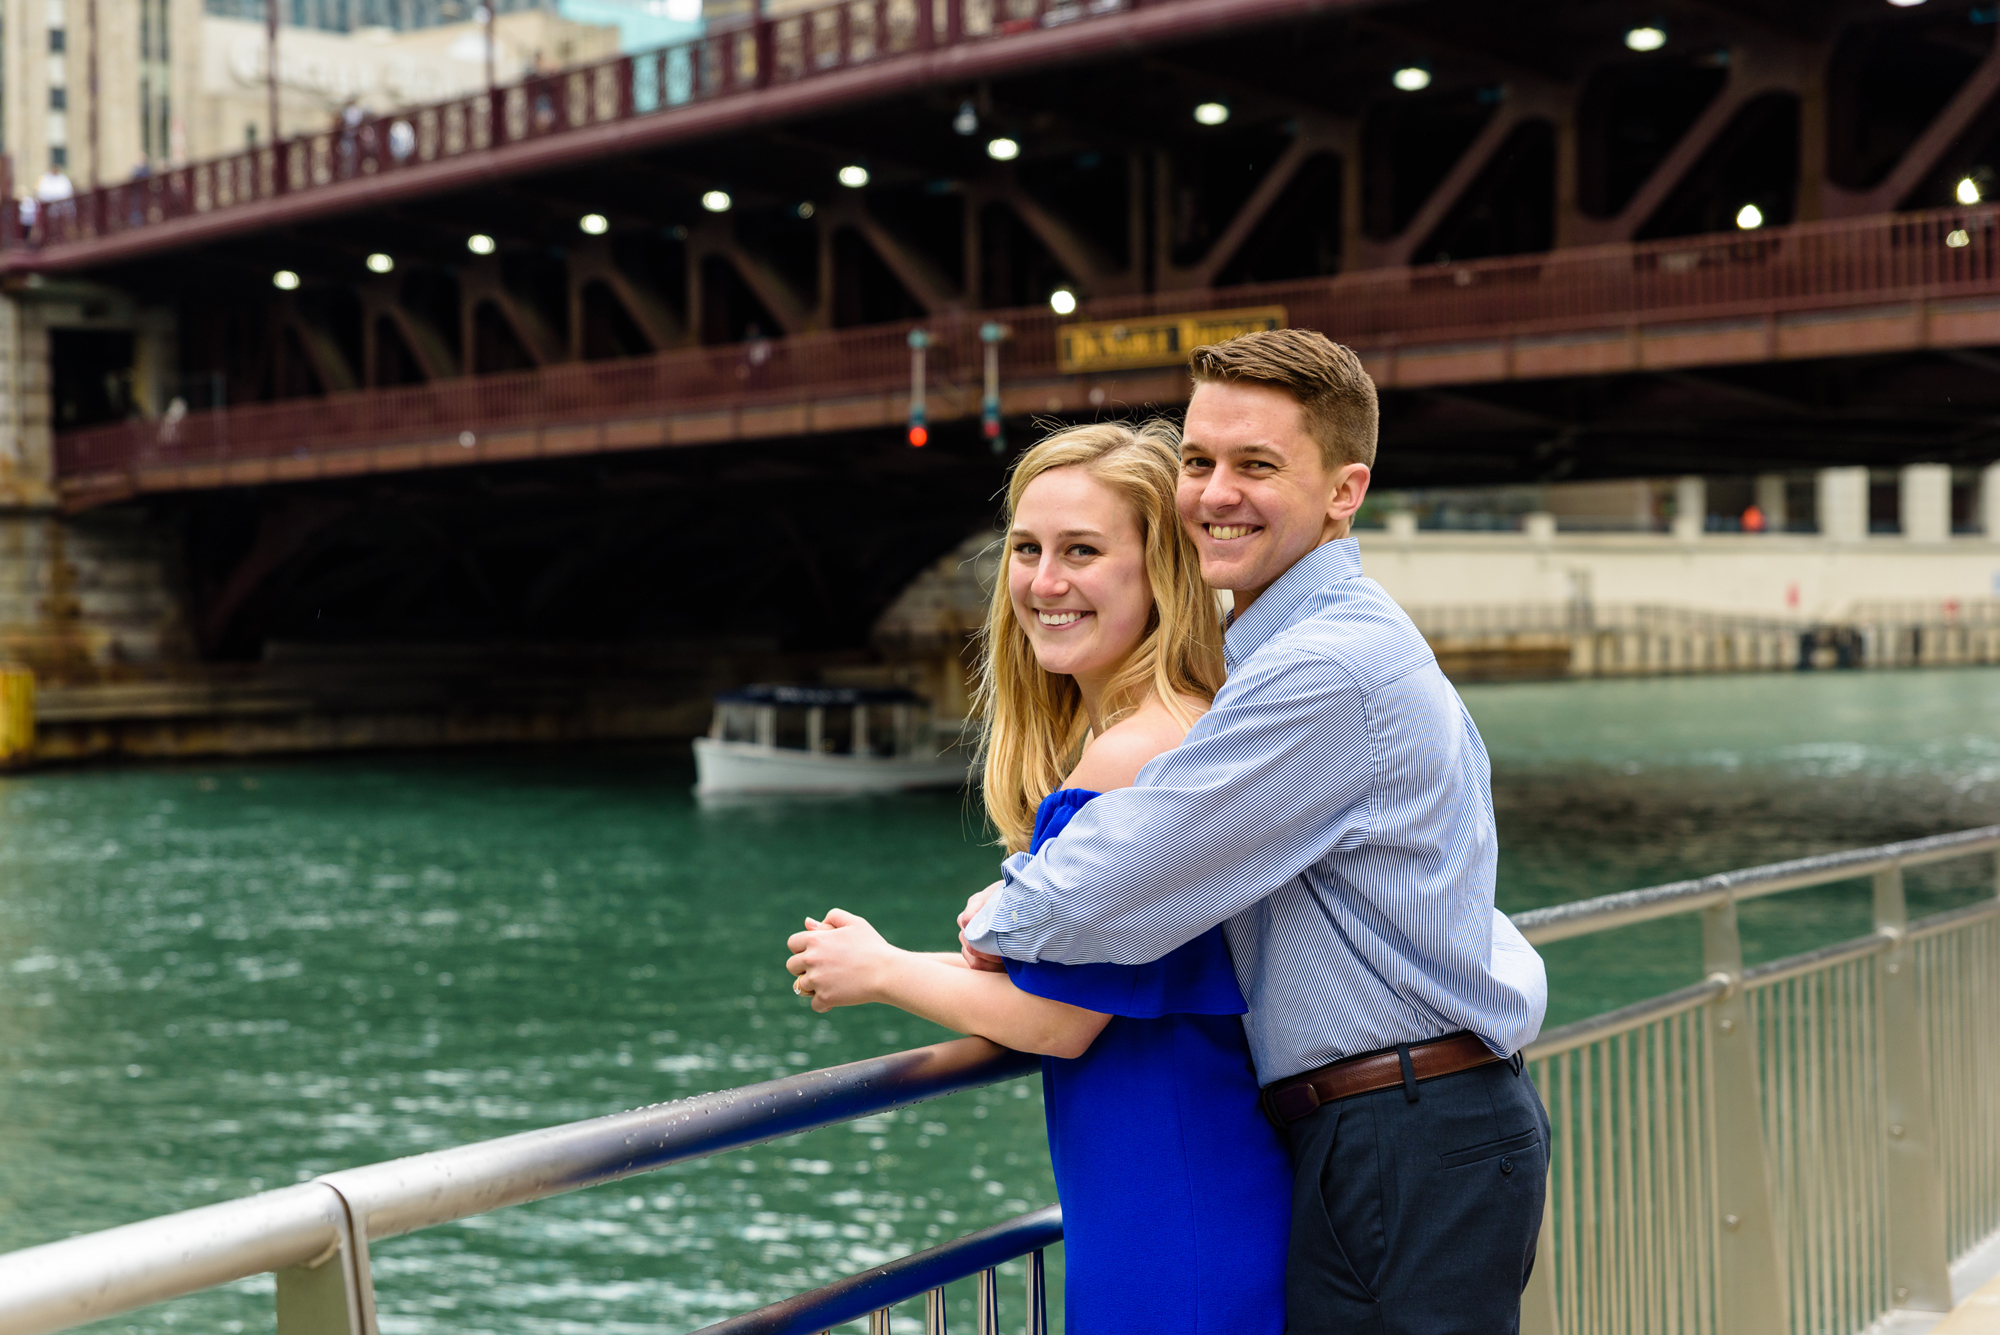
<point x="1049" y="581"/>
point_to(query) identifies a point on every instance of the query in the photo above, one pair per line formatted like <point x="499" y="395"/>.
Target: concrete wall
<point x="1783" y="575"/>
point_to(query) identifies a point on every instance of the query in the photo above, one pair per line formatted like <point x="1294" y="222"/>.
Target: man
<point x="1334" y="812"/>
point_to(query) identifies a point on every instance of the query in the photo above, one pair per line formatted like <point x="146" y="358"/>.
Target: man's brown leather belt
<point x="1289" y="1100"/>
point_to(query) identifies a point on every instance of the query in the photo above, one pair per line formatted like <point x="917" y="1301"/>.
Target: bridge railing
<point x="1852" y="263"/>
<point x="1802" y="1146"/>
<point x="730" y="61"/>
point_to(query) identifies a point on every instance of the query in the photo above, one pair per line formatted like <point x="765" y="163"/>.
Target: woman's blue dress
<point x="1176" y="1193"/>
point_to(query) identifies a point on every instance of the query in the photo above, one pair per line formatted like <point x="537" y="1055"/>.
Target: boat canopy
<point x="818" y="697"/>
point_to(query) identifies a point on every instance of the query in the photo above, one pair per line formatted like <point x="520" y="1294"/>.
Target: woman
<point x="1102" y="648"/>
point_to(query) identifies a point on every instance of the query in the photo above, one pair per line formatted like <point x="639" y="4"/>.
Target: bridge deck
<point x="1873" y="285"/>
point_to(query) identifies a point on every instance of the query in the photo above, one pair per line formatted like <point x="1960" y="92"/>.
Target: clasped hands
<point x="842" y="960"/>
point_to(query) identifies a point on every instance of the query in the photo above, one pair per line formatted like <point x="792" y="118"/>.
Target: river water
<point x="216" y="979"/>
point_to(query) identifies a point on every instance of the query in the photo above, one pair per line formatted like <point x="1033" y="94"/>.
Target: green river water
<point x="220" y="978"/>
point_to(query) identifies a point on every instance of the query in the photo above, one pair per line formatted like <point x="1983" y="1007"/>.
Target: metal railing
<point x="316" y="1235"/>
<point x="1809" y="266"/>
<point x="732" y="61"/>
<point x="1620" y="640"/>
<point x="1802" y="1147"/>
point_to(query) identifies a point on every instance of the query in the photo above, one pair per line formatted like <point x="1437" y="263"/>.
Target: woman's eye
<point x="1026" y="549"/>
<point x="1081" y="550"/>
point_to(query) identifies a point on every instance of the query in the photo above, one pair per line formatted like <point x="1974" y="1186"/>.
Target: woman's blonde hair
<point x="1033" y="721"/>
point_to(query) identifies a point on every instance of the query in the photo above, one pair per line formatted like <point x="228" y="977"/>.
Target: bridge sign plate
<point x="1163" y="340"/>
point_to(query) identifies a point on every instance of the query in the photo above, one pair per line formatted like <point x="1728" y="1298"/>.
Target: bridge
<point x="488" y="364"/>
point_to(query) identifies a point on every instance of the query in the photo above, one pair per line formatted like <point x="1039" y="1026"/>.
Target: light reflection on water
<point x="219" y="979"/>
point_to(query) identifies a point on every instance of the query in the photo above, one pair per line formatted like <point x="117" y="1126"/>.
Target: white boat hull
<point x="733" y="768"/>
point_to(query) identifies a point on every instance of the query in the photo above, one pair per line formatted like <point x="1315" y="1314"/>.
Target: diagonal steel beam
<point x="1754" y="70"/>
<point x="1974" y="99"/>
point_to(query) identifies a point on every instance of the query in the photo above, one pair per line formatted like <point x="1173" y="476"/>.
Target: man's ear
<point x="1350" y="488"/>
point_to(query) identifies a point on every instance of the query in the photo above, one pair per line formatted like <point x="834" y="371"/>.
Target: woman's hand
<point x="840" y="962"/>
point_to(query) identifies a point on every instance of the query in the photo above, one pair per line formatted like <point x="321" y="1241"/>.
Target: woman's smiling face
<point x="1076" y="570"/>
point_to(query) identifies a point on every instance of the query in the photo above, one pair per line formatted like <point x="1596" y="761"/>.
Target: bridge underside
<point x="1526" y="252"/>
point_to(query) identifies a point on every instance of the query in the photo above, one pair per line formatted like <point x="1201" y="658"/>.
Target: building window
<point x="58" y="99"/>
<point x="58" y="156"/>
<point x="155" y="106"/>
<point x="58" y="41"/>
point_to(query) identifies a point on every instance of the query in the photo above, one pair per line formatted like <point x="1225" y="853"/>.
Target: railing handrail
<point x="67" y="1283"/>
<point x="900" y="1280"/>
<point x="1558" y="922"/>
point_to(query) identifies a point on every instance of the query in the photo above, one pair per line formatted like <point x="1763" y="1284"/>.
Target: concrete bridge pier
<point x="82" y="598"/>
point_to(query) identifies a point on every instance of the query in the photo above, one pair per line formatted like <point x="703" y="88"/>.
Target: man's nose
<point x="1221" y="491"/>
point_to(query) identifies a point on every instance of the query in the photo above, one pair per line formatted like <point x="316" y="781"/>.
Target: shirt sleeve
<point x="1277" y="775"/>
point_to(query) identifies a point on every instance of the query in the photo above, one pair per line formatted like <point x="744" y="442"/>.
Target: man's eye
<point x="1191" y="464"/>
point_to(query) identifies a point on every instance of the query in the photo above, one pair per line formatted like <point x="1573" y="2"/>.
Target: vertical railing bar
<point x="986" y="1303"/>
<point x="1641" y="1132"/>
<point x="935" y="1318"/>
<point x="1629" y="1219"/>
<point x="1590" y="1314"/>
<point x="1038" y="1296"/>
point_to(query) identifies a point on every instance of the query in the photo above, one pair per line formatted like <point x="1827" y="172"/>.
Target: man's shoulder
<point x="1356" y="628"/>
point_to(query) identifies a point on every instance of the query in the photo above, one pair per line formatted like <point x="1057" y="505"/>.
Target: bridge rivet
<point x="1901" y="1294"/>
<point x="1730" y="1221"/>
<point x="1896" y="1130"/>
<point x="1728" y="1025"/>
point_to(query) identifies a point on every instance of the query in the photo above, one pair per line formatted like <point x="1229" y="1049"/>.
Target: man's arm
<point x="1279" y="773"/>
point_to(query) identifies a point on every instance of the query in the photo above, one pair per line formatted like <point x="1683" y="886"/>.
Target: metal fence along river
<point x="1803" y="1146"/>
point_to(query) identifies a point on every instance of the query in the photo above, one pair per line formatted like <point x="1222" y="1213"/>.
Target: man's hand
<point x="840" y="962"/>
<point x="978" y="959"/>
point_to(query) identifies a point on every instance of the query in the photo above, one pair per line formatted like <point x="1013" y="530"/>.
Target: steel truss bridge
<point x="1538" y="252"/>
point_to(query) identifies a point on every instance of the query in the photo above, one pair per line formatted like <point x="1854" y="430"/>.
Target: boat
<point x="778" y="738"/>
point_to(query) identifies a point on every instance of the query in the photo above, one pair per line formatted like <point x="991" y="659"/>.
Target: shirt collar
<point x="1278" y="606"/>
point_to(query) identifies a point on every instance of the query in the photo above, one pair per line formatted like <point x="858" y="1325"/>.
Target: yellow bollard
<point x="17" y="714"/>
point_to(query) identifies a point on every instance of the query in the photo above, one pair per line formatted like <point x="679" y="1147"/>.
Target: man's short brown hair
<point x="1336" y="397"/>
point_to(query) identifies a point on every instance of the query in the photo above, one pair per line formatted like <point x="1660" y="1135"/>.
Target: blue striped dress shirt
<point x="1334" y="811"/>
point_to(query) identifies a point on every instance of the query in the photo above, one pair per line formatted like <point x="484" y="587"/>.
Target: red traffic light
<point x="919" y="437"/>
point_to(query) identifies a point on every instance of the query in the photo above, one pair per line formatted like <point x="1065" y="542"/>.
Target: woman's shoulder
<point x="1114" y="757"/>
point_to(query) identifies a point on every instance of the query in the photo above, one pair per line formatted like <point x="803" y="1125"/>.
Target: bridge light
<point x="854" y="176"/>
<point x="479" y="244"/>
<point x="1412" y="78"/>
<point x="1958" y="238"/>
<point x="1968" y="191"/>
<point x="1749" y="217"/>
<point x="966" y="122"/>
<point x="805" y="210"/>
<point x="284" y="280"/>
<point x="1211" y="113"/>
<point x="1062" y="301"/>
<point x="1002" y="149"/>
<point x="380" y="263"/>
<point x="919" y="437"/>
<point x="1905" y="4"/>
<point x="717" y="201"/>
<point x="1647" y="37"/>
<point x="594" y="224"/>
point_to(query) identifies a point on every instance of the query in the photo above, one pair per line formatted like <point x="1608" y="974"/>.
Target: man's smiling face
<point x="1254" y="492"/>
